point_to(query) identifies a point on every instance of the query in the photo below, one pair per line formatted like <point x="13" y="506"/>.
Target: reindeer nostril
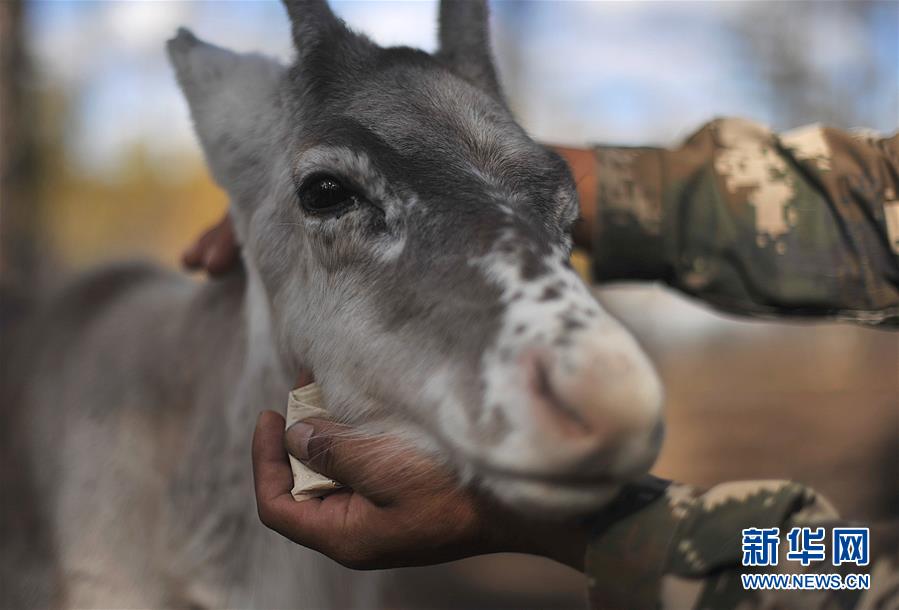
<point x="564" y="414"/>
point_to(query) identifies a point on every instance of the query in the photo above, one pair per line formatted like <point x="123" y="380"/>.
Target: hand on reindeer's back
<point x="399" y="508"/>
<point x="216" y="251"/>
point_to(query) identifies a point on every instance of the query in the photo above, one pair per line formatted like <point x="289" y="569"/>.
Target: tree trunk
<point x="18" y="164"/>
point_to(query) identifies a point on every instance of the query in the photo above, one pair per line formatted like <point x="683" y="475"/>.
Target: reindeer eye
<point x="323" y="194"/>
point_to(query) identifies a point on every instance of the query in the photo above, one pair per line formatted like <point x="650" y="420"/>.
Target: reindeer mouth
<point x="563" y="493"/>
<point x="556" y="497"/>
<point x="573" y="480"/>
<point x="550" y="494"/>
<point x="576" y="488"/>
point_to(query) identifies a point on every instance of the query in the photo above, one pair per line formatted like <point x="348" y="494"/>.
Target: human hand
<point x="216" y="251"/>
<point x="400" y="508"/>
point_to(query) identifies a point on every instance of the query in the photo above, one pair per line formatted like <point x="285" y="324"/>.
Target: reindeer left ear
<point x="235" y="105"/>
<point x="465" y="43"/>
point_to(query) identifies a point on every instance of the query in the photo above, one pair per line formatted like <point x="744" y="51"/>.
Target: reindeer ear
<point x="234" y="103"/>
<point x="465" y="42"/>
<point x="312" y="22"/>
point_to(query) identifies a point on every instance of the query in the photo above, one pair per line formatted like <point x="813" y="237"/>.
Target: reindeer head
<point x="411" y="242"/>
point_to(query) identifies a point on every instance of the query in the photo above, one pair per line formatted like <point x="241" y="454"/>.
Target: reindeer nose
<point x="553" y="411"/>
<point x="595" y="406"/>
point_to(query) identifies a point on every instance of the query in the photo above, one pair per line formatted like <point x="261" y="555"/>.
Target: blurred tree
<point x="55" y="214"/>
<point x="810" y="70"/>
<point x="142" y="207"/>
<point x="18" y="159"/>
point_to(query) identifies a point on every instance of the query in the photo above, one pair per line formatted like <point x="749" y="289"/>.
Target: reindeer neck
<point x="265" y="376"/>
<point x="220" y="438"/>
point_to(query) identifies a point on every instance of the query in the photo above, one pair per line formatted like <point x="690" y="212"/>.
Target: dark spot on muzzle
<point x="550" y="294"/>
<point x="532" y="266"/>
<point x="570" y="324"/>
<point x="562" y="341"/>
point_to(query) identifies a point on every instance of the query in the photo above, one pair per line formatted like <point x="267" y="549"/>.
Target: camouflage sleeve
<point x="804" y="223"/>
<point x="667" y="545"/>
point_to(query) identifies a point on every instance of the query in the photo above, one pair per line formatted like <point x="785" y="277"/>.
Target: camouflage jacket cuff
<point x="660" y="535"/>
<point x="628" y="233"/>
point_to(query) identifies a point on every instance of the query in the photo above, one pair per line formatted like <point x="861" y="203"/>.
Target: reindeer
<point x="401" y="235"/>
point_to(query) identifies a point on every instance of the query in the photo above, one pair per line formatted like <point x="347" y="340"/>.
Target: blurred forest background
<point x="102" y="147"/>
<point x="98" y="162"/>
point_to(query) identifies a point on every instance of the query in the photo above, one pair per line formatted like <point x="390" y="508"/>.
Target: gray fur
<point x="465" y="42"/>
<point x="439" y="308"/>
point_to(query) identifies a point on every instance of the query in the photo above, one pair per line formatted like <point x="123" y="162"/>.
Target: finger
<point x="219" y="260"/>
<point x="192" y="258"/>
<point x="223" y="252"/>
<point x="379" y="468"/>
<point x="272" y="480"/>
<point x="303" y="522"/>
<point x="271" y="468"/>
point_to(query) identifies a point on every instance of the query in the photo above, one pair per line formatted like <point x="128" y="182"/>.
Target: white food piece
<point x="304" y="403"/>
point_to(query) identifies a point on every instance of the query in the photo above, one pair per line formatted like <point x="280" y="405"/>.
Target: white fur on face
<point x="529" y="320"/>
<point x="554" y="318"/>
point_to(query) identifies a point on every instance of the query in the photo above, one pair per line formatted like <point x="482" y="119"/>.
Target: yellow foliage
<point x="580" y="260"/>
<point x="141" y="210"/>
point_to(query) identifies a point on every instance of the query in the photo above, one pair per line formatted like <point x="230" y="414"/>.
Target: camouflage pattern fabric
<point x="667" y="545"/>
<point x="805" y="223"/>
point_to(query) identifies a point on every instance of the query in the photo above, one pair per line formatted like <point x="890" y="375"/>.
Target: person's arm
<point x="659" y="544"/>
<point x="671" y="545"/>
<point x="805" y="223"/>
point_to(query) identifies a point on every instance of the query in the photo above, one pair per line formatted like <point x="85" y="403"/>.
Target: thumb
<point x="380" y="468"/>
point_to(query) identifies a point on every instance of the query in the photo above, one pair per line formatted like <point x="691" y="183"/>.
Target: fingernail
<point x="211" y="254"/>
<point x="297" y="440"/>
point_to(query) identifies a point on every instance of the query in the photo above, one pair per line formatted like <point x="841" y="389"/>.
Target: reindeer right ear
<point x="234" y="102"/>
<point x="465" y="43"/>
<point x="312" y="23"/>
